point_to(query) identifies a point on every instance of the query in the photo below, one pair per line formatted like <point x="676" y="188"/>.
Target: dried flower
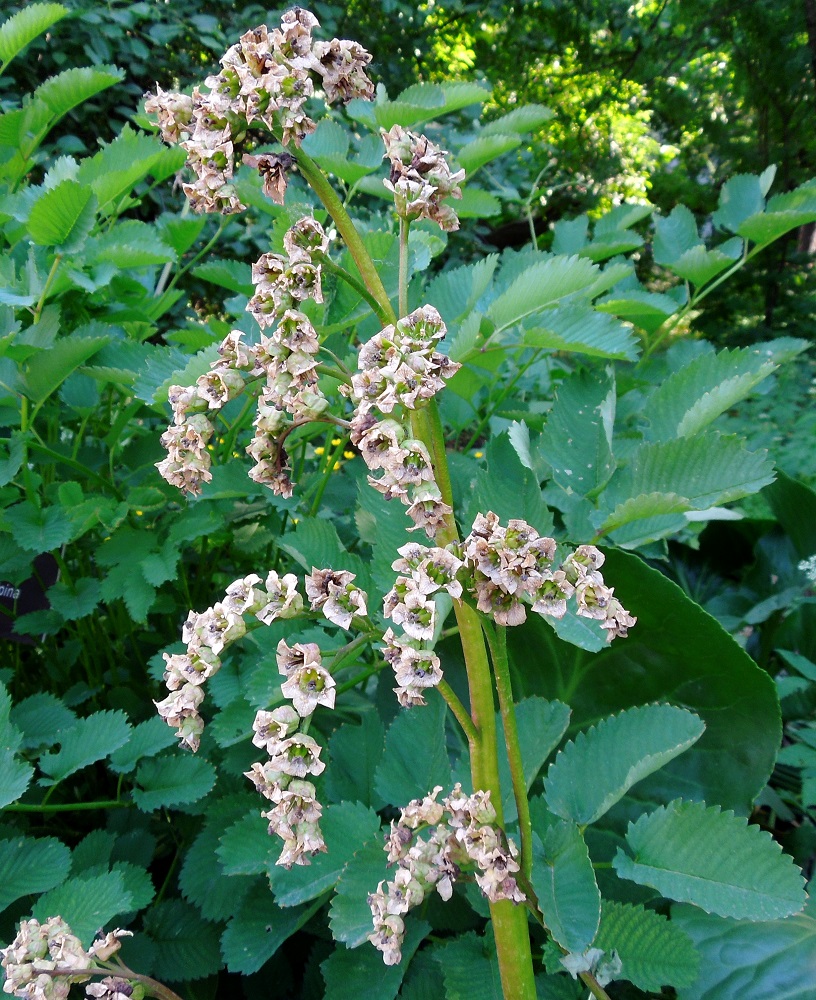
<point x="420" y="178"/>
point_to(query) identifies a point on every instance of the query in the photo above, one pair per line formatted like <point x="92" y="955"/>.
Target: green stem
<point x="326" y="193"/>
<point x="593" y="986"/>
<point x="22" y="807"/>
<point x="404" y="226"/>
<point x="459" y="711"/>
<point x="358" y="286"/>
<point x="194" y="260"/>
<point x="49" y="281"/>
<point x="497" y="642"/>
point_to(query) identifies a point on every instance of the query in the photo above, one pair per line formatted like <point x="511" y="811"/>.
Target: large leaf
<point x="576" y="440"/>
<point x="350" y="914"/>
<point x="595" y="771"/>
<point x="65" y="91"/>
<point x="674" y="235"/>
<point x="29" y="865"/>
<point x="48" y="369"/>
<point x="540" y="284"/>
<point x="361" y="973"/>
<point x="698" y="854"/>
<point x="26" y="25"/>
<point x="258" y="929"/>
<point x="63" y="216"/>
<point x="186" y="946"/>
<point x="582" y="330"/>
<point x="415" y="757"/>
<point x="740" y="198"/>
<point x="120" y="165"/>
<point x="355" y="752"/>
<point x="689" y="399"/>
<point x="676" y="652"/>
<point x="648" y="310"/>
<point x="526" y="118"/>
<point x="540" y="724"/>
<point x="86" y="903"/>
<point x="172" y="781"/>
<point x="484" y="149"/>
<point x="783" y="213"/>
<point x="509" y="488"/>
<point x="750" y="961"/>
<point x="794" y="506"/>
<point x="699" y="265"/>
<point x="565" y="884"/>
<point x="654" y="951"/>
<point x="470" y="969"/>
<point x="87" y="741"/>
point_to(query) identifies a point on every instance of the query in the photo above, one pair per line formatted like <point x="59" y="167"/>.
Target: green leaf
<point x="654" y="951"/>
<point x="647" y="310"/>
<point x="361" y="973"/>
<point x="41" y="719"/>
<point x="415" y="758"/>
<point x="75" y="603"/>
<point x="186" y="947"/>
<point x="595" y="771"/>
<point x="620" y="218"/>
<point x="234" y="275"/>
<point x="87" y="741"/>
<point x="570" y="235"/>
<point x="9" y="467"/>
<point x="674" y="235"/>
<point x="203" y="881"/>
<point x="29" y="865"/>
<point x="66" y="90"/>
<point x="138" y="884"/>
<point x="15" y="776"/>
<point x="49" y="368"/>
<point x="741" y="197"/>
<point x="565" y="884"/>
<point x="119" y="165"/>
<point x="699" y="265"/>
<point x="26" y="25"/>
<point x="538" y="286"/>
<point x="541" y="724"/>
<point x="510" y="489"/>
<point x="526" y="118"/>
<point x="129" y="244"/>
<point x="584" y="331"/>
<point x="750" y="961"/>
<point x="350" y="914"/>
<point x="355" y="752"/>
<point x="383" y="525"/>
<point x="316" y="544"/>
<point x="38" y="530"/>
<point x="63" y="216"/>
<point x="470" y="968"/>
<point x="698" y="854"/>
<point x="577" y="437"/>
<point x="246" y="847"/>
<point x="86" y="903"/>
<point x="691" y="398"/>
<point x="675" y="652"/>
<point x="794" y="506"/>
<point x="346" y="827"/>
<point x="476" y="204"/>
<point x="706" y="469"/>
<point x="146" y="740"/>
<point x="258" y="929"/>
<point x="783" y="213"/>
<point x="611" y="245"/>
<point x="456" y="291"/>
<point x="484" y="149"/>
<point x="172" y="781"/>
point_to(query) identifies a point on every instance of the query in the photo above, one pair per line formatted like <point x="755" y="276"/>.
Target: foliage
<point x="627" y="772"/>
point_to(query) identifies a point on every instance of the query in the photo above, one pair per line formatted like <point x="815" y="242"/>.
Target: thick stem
<point x="497" y="641"/>
<point x="326" y="193"/>
<point x="358" y="286"/>
<point x="404" y="226"/>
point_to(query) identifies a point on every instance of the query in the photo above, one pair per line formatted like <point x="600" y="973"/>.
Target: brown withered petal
<point x="273" y="169"/>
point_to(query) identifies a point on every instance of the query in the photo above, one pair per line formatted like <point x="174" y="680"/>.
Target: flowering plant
<point x="507" y="629"/>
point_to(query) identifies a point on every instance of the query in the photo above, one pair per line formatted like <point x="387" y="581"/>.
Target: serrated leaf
<point x="699" y="265"/>
<point x="234" y="275"/>
<point x="750" y="961"/>
<point x="38" y="530"/>
<point x="26" y="25"/>
<point x="87" y="741"/>
<point x="146" y="740"/>
<point x="66" y="90"/>
<point x="350" y="914"/>
<point x="476" y="204"/>
<point x="246" y="847"/>
<point x="186" y="947"/>
<point x="133" y="588"/>
<point x="611" y="245"/>
<point x="172" y="781"/>
<point x="119" y="165"/>
<point x="647" y="310"/>
<point x="584" y="331"/>
<point x="576" y="440"/>
<point x="470" y="969"/>
<point x="527" y="118"/>
<point x="707" y="469"/>
<point x="316" y="544"/>
<point x="346" y="827"/>
<point x="564" y="882"/>
<point x="129" y="244"/>
<point x="455" y="292"/>
<point x="415" y="757"/>
<point x="41" y="718"/>
<point x="484" y="149"/>
<point x="75" y="603"/>
<point x="698" y="854"/>
<point x="29" y="865"/>
<point x="258" y="929"/>
<point x="384" y="525"/>
<point x="691" y="398"/>
<point x="654" y="951"/>
<point x="649" y="511"/>
<point x="204" y="883"/>
<point x="620" y="218"/>
<point x="86" y="903"/>
<point x="570" y="235"/>
<point x="540" y="284"/>
<point x="782" y="213"/>
<point x="361" y="973"/>
<point x="674" y="235"/>
<point x="49" y="368"/>
<point x="595" y="771"/>
<point x="741" y="197"/>
<point x="540" y="724"/>
<point x="15" y="776"/>
<point x="63" y="216"/>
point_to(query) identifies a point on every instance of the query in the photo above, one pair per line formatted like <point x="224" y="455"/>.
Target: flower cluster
<point x="263" y="85"/>
<point x="410" y="604"/>
<point x="44" y="960"/>
<point x="420" y="178"/>
<point x="293" y="755"/>
<point x="333" y="593"/>
<point x="462" y="834"/>
<point x="208" y="634"/>
<point x="400" y="366"/>
<point x="514" y="564"/>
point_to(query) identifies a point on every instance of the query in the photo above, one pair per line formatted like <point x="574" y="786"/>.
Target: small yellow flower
<point x="139" y="513"/>
<point x="336" y="466"/>
<point x="319" y="451"/>
<point x="348" y="454"/>
<point x="335" y="442"/>
<point x="478" y="454"/>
